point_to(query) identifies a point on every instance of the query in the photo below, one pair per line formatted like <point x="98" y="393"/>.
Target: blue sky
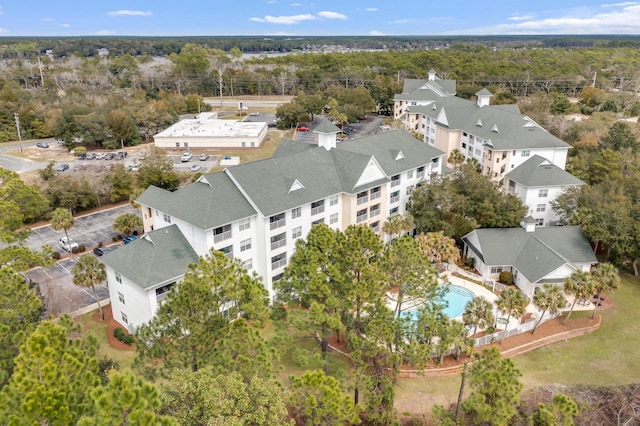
<point x="328" y="17"/>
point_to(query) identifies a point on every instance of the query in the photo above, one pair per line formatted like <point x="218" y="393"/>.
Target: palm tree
<point x="460" y="341"/>
<point x="456" y="158"/>
<point x="513" y="303"/>
<point x="580" y="286"/>
<point x="479" y="313"/>
<point x="550" y="298"/>
<point x="88" y="272"/>
<point x="62" y="218"/>
<point x="127" y="223"/>
<point x="396" y="224"/>
<point x="605" y="280"/>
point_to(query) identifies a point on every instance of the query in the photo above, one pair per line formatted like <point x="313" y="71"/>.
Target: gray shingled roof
<point x="326" y="126"/>
<point x="537" y="171"/>
<point x="534" y="254"/>
<point x="159" y="257"/>
<point x="514" y="130"/>
<point x="210" y="202"/>
<point x="422" y="89"/>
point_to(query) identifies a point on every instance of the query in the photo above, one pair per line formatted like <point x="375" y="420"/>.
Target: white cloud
<point x="105" y="32"/>
<point x="271" y="2"/>
<point x="47" y="19"/>
<point x="295" y="4"/>
<point x="371" y="9"/>
<point x="332" y="15"/>
<point x="130" y="13"/>
<point x="628" y="3"/>
<point x="622" y="18"/>
<point x="65" y="25"/>
<point x="521" y="18"/>
<point x="293" y="19"/>
<point x="376" y="33"/>
<point x="402" y="21"/>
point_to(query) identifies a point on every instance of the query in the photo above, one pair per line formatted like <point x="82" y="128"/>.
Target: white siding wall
<point x="557" y="156"/>
<point x="140" y="305"/>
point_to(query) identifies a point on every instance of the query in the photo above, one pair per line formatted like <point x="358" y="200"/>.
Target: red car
<point x="302" y="129"/>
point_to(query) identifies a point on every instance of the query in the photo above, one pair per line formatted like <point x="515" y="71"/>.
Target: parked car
<point x="129" y="238"/>
<point x="67" y="244"/>
<point x="109" y="156"/>
<point x="99" y="156"/>
<point x="62" y="167"/>
<point x="195" y="167"/>
<point x="99" y="251"/>
<point x="122" y="155"/>
<point x="82" y="156"/>
<point x="204" y="157"/>
<point x="91" y="155"/>
<point x="42" y="145"/>
<point x="254" y="114"/>
<point x="273" y="123"/>
<point x="60" y="141"/>
<point x="187" y="156"/>
<point x="302" y="129"/>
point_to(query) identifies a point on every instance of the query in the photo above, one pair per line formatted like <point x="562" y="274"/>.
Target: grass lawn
<point x="608" y="356"/>
<point x="99" y="329"/>
<point x="248" y="155"/>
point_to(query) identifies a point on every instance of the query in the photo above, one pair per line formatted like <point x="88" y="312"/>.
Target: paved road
<point x="56" y="282"/>
<point x="269" y="102"/>
<point x="18" y="164"/>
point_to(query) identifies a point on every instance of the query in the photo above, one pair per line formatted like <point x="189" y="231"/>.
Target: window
<point x="420" y="172"/>
<point x="296" y="232"/>
<point x="540" y="222"/>
<point x="118" y="277"/>
<point x="248" y="264"/>
<point x="496" y="269"/>
<point x="541" y="207"/>
<point x="361" y="215"/>
<point x="244" y="144"/>
<point x="253" y="144"/>
<point x="525" y="153"/>
<point x="277" y="221"/>
<point x="121" y="298"/>
<point x="333" y="200"/>
<point x="375" y="193"/>
<point x="374" y="210"/>
<point x="317" y="207"/>
<point x="512" y="185"/>
<point x="410" y="174"/>
<point x="278" y="260"/>
<point x="395" y="180"/>
<point x="278" y="241"/>
<point x="167" y="218"/>
<point x="394" y="211"/>
<point x="296" y="213"/>
<point x="245" y="245"/>
<point x="464" y="145"/>
<point x="163" y="292"/>
<point x="221" y="233"/>
<point x="186" y="144"/>
<point x="317" y="221"/>
<point x="333" y="218"/>
<point x="362" y="197"/>
<point x="504" y="154"/>
<point x="245" y="224"/>
<point x="124" y="318"/>
<point x="375" y="226"/>
<point x="277" y="277"/>
<point x="543" y="193"/>
<point x="409" y="189"/>
<point x="395" y="197"/>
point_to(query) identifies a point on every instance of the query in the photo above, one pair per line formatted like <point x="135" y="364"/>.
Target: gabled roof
<point x="326" y="126"/>
<point x="422" y="89"/>
<point x="210" y="202"/>
<point x="516" y="131"/>
<point x="159" y="257"/>
<point x="533" y="254"/>
<point x="538" y="171"/>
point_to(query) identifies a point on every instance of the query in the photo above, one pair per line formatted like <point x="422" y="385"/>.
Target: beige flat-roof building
<point x="207" y="131"/>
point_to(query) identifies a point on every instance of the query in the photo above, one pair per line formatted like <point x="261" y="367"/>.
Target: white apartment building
<point x="498" y="138"/>
<point x="256" y="211"/>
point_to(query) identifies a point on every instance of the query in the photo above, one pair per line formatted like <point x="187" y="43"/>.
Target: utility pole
<point x="198" y="105"/>
<point x="41" y="74"/>
<point x="17" y="119"/>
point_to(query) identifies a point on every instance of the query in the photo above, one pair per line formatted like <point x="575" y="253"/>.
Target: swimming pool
<point x="455" y="299"/>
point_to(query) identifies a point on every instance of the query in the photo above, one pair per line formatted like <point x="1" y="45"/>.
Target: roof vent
<point x="295" y="186"/>
<point x="495" y="128"/>
<point x="479" y="123"/>
<point x="399" y="156"/>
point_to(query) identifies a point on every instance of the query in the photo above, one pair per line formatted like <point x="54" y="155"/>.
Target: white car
<point x="187" y="156"/>
<point x="67" y="245"/>
<point x="196" y="167"/>
<point x="100" y="156"/>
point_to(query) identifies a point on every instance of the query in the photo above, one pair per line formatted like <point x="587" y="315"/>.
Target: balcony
<point x="362" y="200"/>
<point x="361" y="218"/>
<point x="222" y="236"/>
<point x="316" y="210"/>
<point x="278" y="224"/>
<point x="394" y="199"/>
<point x="278" y="243"/>
<point x="278" y="263"/>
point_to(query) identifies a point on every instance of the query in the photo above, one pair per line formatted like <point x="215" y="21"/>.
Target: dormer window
<point x="479" y="123"/>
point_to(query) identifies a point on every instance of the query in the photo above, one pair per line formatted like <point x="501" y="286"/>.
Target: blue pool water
<point x="455" y="298"/>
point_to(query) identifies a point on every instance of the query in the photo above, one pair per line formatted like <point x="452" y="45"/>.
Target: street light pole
<point x="17" y="119"/>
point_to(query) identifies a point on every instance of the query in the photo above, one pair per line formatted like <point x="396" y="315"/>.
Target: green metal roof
<point x="208" y="203"/>
<point x="158" y="257"/>
<point x="534" y="254"/>
<point x="537" y="171"/>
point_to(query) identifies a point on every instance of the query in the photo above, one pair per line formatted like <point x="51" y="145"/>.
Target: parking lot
<point x="368" y="126"/>
<point x="56" y="282"/>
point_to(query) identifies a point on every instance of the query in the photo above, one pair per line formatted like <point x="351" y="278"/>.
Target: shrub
<point x="278" y="312"/>
<point x="114" y="239"/>
<point x="470" y="262"/>
<point x="100" y="244"/>
<point x="505" y="277"/>
<point x="119" y="334"/>
<point x="75" y="249"/>
<point x="119" y="237"/>
<point x="56" y="255"/>
<point x="82" y="248"/>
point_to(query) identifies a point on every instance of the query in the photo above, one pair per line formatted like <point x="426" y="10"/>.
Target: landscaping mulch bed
<point x="111" y="325"/>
